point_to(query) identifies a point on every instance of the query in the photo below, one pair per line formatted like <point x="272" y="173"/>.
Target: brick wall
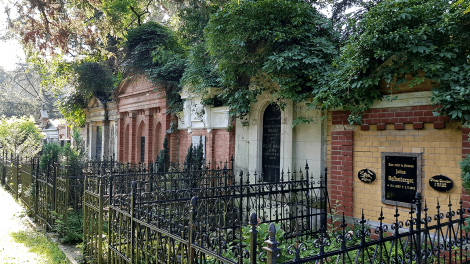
<point x="402" y="129"/>
<point x="465" y="152"/>
<point x="220" y="144"/>
<point x="341" y="170"/>
<point x="140" y="106"/>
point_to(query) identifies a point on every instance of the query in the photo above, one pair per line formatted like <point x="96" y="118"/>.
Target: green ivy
<point x="399" y="37"/>
<point x="280" y="46"/>
<point x="154" y="50"/>
<point x="90" y="79"/>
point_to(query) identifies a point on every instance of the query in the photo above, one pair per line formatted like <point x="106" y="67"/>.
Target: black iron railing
<point x="441" y="238"/>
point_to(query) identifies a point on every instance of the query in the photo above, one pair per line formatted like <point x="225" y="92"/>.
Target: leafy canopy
<point x="155" y="51"/>
<point x="20" y="136"/>
<point x="282" y="46"/>
<point x="88" y="79"/>
<point x="400" y="37"/>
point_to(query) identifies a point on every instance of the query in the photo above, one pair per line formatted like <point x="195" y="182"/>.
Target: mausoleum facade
<point x="401" y="148"/>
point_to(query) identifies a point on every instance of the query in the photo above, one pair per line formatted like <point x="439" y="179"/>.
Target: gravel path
<point x="11" y="220"/>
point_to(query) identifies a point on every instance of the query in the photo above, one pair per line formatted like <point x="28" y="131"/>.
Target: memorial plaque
<point x="99" y="141"/>
<point x="366" y="176"/>
<point x="142" y="149"/>
<point x="441" y="183"/>
<point x="401" y="177"/>
<point x="271" y="149"/>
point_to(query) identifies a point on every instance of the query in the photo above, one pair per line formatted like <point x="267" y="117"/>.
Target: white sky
<point x="10" y="50"/>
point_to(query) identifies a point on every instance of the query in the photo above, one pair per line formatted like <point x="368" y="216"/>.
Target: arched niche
<point x="126" y="143"/>
<point x="158" y="140"/>
<point x="271" y="144"/>
<point x="140" y="142"/>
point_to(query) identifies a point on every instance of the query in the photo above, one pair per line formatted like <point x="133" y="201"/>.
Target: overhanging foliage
<point x="412" y="36"/>
<point x="282" y="46"/>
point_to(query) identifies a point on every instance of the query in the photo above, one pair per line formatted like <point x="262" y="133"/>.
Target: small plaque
<point x="366" y="175"/>
<point x="441" y="183"/>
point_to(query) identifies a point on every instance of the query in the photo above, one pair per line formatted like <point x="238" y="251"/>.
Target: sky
<point x="10" y="50"/>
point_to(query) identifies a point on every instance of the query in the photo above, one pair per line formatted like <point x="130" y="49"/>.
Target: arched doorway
<point x="271" y="148"/>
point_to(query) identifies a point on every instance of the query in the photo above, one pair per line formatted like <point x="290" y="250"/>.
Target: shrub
<point x="70" y="230"/>
<point x="50" y="155"/>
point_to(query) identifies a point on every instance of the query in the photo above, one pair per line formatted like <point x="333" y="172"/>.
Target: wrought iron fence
<point x="155" y="212"/>
<point x="47" y="193"/>
<point x="441" y="238"/>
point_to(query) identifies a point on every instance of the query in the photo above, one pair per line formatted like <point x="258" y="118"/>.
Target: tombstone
<point x="401" y="177"/>
<point x="271" y="148"/>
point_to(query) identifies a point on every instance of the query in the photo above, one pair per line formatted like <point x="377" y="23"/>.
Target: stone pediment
<point x="94" y="103"/>
<point x="134" y="84"/>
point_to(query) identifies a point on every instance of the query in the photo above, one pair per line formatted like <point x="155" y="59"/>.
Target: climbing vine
<point x="284" y="47"/>
<point x="88" y="79"/>
<point x="427" y="39"/>
<point x="166" y="63"/>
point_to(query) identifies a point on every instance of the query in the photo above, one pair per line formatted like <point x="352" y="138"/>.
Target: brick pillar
<point x="148" y="134"/>
<point x="341" y="184"/>
<point x="132" y="137"/>
<point x="465" y="152"/>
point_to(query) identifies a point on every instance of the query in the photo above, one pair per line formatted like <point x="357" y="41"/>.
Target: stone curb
<point x="70" y="251"/>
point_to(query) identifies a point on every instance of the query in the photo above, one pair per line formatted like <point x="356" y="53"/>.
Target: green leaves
<point x="277" y="45"/>
<point x="427" y="39"/>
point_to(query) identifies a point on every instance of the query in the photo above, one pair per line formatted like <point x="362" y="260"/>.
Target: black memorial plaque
<point x="142" y="149"/>
<point x="366" y="176"/>
<point x="401" y="174"/>
<point x="99" y="141"/>
<point x="271" y="149"/>
<point x="441" y="183"/>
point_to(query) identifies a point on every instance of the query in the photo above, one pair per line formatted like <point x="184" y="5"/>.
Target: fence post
<point x="100" y="221"/>
<point x="110" y="216"/>
<point x="192" y="226"/>
<point x="4" y="171"/>
<point x="36" y="187"/>
<point x="54" y="188"/>
<point x="133" y="197"/>
<point x="418" y="227"/>
<point x="271" y="245"/>
<point x="85" y="220"/>
<point x="17" y="176"/>
<point x="253" y="237"/>
<point x="67" y="192"/>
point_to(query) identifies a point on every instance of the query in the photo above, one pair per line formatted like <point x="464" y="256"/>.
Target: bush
<point x="71" y="230"/>
<point x="50" y="155"/>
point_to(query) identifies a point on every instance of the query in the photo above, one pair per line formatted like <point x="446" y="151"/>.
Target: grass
<point x="40" y="244"/>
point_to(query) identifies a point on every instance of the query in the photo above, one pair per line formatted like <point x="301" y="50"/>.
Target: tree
<point x="89" y="79"/>
<point x="74" y="27"/>
<point x="284" y="47"/>
<point x="20" y="136"/>
<point x="163" y="158"/>
<point x="427" y="39"/>
<point x="21" y="93"/>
